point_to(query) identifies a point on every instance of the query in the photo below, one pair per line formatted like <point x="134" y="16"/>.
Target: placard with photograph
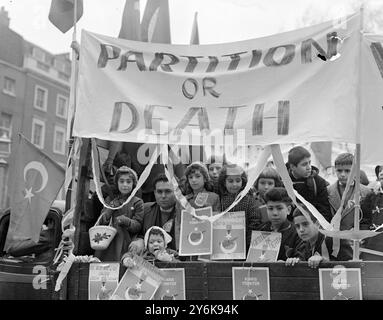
<point x="196" y="235"/>
<point x="103" y="280"/>
<point x="173" y="285"/>
<point x="251" y="283"/>
<point x="340" y="283"/>
<point x="264" y="246"/>
<point x="139" y="282"/>
<point x="229" y="237"/>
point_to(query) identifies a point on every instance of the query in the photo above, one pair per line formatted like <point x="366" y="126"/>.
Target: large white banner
<point x="293" y="87"/>
<point x="372" y="100"/>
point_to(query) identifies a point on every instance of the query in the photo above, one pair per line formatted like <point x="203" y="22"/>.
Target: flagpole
<point x="358" y="145"/>
<point x="68" y="196"/>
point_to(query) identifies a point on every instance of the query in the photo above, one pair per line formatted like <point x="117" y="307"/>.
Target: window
<point x="5" y="132"/>
<point x="61" y="106"/>
<point x="40" y="55"/>
<point x="38" y="133"/>
<point x="41" y="98"/>
<point x="9" y="86"/>
<point x="59" y="140"/>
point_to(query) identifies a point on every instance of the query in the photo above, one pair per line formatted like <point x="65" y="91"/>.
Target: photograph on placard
<point x="340" y="283"/>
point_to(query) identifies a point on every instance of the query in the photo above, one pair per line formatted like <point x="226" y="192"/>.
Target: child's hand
<point x="314" y="261"/>
<point x="162" y="255"/>
<point x="121" y="220"/>
<point x="292" y="261"/>
<point x="129" y="262"/>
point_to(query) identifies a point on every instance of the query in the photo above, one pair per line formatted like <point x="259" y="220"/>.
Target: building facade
<point x="34" y="98"/>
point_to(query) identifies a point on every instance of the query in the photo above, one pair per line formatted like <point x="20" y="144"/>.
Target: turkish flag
<point x="36" y="181"/>
<point x="61" y="13"/>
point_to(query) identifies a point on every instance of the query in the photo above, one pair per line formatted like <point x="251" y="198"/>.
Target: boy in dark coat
<point x="278" y="206"/>
<point x="307" y="182"/>
<point x="317" y="248"/>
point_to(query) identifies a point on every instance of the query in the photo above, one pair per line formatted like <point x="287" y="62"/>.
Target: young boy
<point x="214" y="166"/>
<point x="307" y="182"/>
<point x="156" y="240"/>
<point x="278" y="206"/>
<point x="317" y="248"/>
<point x="343" y="164"/>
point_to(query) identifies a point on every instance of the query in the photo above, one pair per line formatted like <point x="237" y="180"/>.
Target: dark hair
<point x="278" y="195"/>
<point x="216" y="159"/>
<point x="196" y="166"/>
<point x="378" y="168"/>
<point x="297" y="213"/>
<point x="156" y="232"/>
<point x="297" y="154"/>
<point x="160" y="178"/>
<point x="269" y="173"/>
<point x="125" y="170"/>
<point x="222" y="181"/>
<point x="344" y="159"/>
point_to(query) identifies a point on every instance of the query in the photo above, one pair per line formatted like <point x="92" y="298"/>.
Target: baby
<point x="156" y="240"/>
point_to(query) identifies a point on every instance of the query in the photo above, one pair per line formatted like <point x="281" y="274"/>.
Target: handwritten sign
<point x="264" y="246"/>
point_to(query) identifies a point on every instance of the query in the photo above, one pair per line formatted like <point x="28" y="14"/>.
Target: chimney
<point x="4" y="19"/>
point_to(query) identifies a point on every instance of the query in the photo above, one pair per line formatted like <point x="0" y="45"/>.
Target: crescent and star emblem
<point x="44" y="175"/>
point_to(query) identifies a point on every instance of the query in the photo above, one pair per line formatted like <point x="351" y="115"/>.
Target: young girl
<point x="232" y="180"/>
<point x="198" y="188"/>
<point x="127" y="220"/>
<point x="156" y="240"/>
<point x="268" y="179"/>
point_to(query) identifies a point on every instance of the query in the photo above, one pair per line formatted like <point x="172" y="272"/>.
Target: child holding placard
<point x="232" y="180"/>
<point x="198" y="187"/>
<point x="278" y="206"/>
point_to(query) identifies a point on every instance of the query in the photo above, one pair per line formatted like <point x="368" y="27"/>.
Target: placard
<point x="139" y="282"/>
<point x="196" y="235"/>
<point x="251" y="283"/>
<point x="103" y="280"/>
<point x="340" y="283"/>
<point x="173" y="285"/>
<point x="229" y="237"/>
<point x="264" y="246"/>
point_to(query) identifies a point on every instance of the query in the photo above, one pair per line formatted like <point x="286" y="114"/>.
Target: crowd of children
<point x="148" y="228"/>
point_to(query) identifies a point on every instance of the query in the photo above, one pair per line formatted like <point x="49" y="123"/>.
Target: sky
<point x="218" y="20"/>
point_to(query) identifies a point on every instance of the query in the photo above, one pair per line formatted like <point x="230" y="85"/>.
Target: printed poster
<point x="196" y="235"/>
<point x="264" y="246"/>
<point x="173" y="285"/>
<point x="103" y="280"/>
<point x="340" y="283"/>
<point x="229" y="237"/>
<point x="139" y="282"/>
<point x="251" y="283"/>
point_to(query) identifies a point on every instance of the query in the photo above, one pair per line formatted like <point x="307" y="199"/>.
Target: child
<point x="278" y="206"/>
<point x="343" y="164"/>
<point x="198" y="188"/>
<point x="307" y="181"/>
<point x="232" y="180"/>
<point x="156" y="240"/>
<point x="127" y="220"/>
<point x="214" y="166"/>
<point x="317" y="247"/>
<point x="268" y="179"/>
